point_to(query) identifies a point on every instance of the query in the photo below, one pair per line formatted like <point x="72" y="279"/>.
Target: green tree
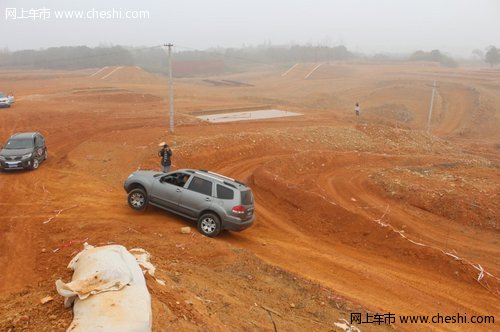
<point x="492" y="56"/>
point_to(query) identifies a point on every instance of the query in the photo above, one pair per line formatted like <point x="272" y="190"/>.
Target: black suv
<point x="23" y="151"/>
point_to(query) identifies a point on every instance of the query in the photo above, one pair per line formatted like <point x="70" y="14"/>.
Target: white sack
<point x="108" y="291"/>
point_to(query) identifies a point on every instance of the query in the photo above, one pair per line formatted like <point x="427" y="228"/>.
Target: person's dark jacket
<point x="165" y="155"/>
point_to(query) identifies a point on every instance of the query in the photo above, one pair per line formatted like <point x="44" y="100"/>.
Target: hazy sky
<point x="370" y="26"/>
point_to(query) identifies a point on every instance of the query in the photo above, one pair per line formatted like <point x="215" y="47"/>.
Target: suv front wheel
<point x="137" y="199"/>
<point x="209" y="225"/>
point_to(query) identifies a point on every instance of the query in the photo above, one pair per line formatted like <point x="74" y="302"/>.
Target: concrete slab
<point x="245" y="116"/>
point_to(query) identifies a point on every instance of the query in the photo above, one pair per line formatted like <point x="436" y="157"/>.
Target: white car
<point x="6" y="101"/>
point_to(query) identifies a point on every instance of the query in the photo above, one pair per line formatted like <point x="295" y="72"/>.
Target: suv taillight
<point x="239" y="210"/>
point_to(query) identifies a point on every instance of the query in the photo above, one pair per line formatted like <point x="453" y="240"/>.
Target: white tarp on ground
<point x="108" y="291"/>
<point x="246" y="116"/>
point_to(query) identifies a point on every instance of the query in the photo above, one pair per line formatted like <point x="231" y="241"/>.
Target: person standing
<point x="357" y="109"/>
<point x="166" y="154"/>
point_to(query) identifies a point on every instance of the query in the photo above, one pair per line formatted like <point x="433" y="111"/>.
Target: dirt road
<point x="353" y="215"/>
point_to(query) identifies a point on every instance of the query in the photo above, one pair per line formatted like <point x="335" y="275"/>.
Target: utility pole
<point x="170" y="87"/>
<point x="430" y="108"/>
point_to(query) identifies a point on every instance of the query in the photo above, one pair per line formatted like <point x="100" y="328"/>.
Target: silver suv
<point x="215" y="201"/>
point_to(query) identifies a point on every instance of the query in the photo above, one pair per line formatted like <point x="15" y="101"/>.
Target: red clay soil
<point x="369" y="215"/>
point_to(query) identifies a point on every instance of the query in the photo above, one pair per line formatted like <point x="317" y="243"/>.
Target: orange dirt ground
<point x="353" y="215"/>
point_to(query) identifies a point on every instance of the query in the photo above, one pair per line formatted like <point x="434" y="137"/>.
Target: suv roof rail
<point x="222" y="176"/>
<point x="212" y="177"/>
<point x="229" y="184"/>
<point x="239" y="182"/>
<point x="226" y="177"/>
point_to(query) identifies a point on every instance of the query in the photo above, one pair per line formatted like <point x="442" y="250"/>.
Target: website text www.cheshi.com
<point x="45" y="14"/>
<point x="391" y="318"/>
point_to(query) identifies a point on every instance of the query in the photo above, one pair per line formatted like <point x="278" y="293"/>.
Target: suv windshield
<point x="246" y="197"/>
<point x="2" y="95"/>
<point x="19" y="143"/>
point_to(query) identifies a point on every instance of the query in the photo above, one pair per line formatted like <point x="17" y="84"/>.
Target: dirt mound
<point x="328" y="71"/>
<point x="112" y="97"/>
<point x="388" y="112"/>
<point x="298" y="71"/>
<point x="37" y="75"/>
<point x="203" y="290"/>
<point x="132" y="75"/>
<point x="226" y="83"/>
<point x="450" y="190"/>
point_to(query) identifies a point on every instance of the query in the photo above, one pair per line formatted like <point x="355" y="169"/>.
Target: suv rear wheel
<point x="209" y="225"/>
<point x="137" y="199"/>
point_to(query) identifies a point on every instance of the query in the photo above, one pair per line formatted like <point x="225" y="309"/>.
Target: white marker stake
<point x="312" y="71"/>
<point x="97" y="72"/>
<point x="289" y="70"/>
<point x="118" y="68"/>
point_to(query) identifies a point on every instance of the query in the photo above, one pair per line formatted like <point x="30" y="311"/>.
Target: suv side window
<point x="38" y="141"/>
<point x="224" y="193"/>
<point x="201" y="186"/>
<point x="173" y="178"/>
<point x="246" y="197"/>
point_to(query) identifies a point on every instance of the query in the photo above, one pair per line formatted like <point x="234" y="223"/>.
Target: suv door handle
<point x="208" y="199"/>
<point x="178" y="190"/>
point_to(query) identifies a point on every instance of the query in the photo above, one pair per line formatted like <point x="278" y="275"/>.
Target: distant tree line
<point x="67" y="57"/>
<point x="155" y="59"/>
<point x="294" y="53"/>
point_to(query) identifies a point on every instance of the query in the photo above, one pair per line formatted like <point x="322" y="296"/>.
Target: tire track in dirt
<point x="34" y="196"/>
<point x="459" y="104"/>
<point x="18" y="252"/>
<point x="362" y="275"/>
<point x="345" y="184"/>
